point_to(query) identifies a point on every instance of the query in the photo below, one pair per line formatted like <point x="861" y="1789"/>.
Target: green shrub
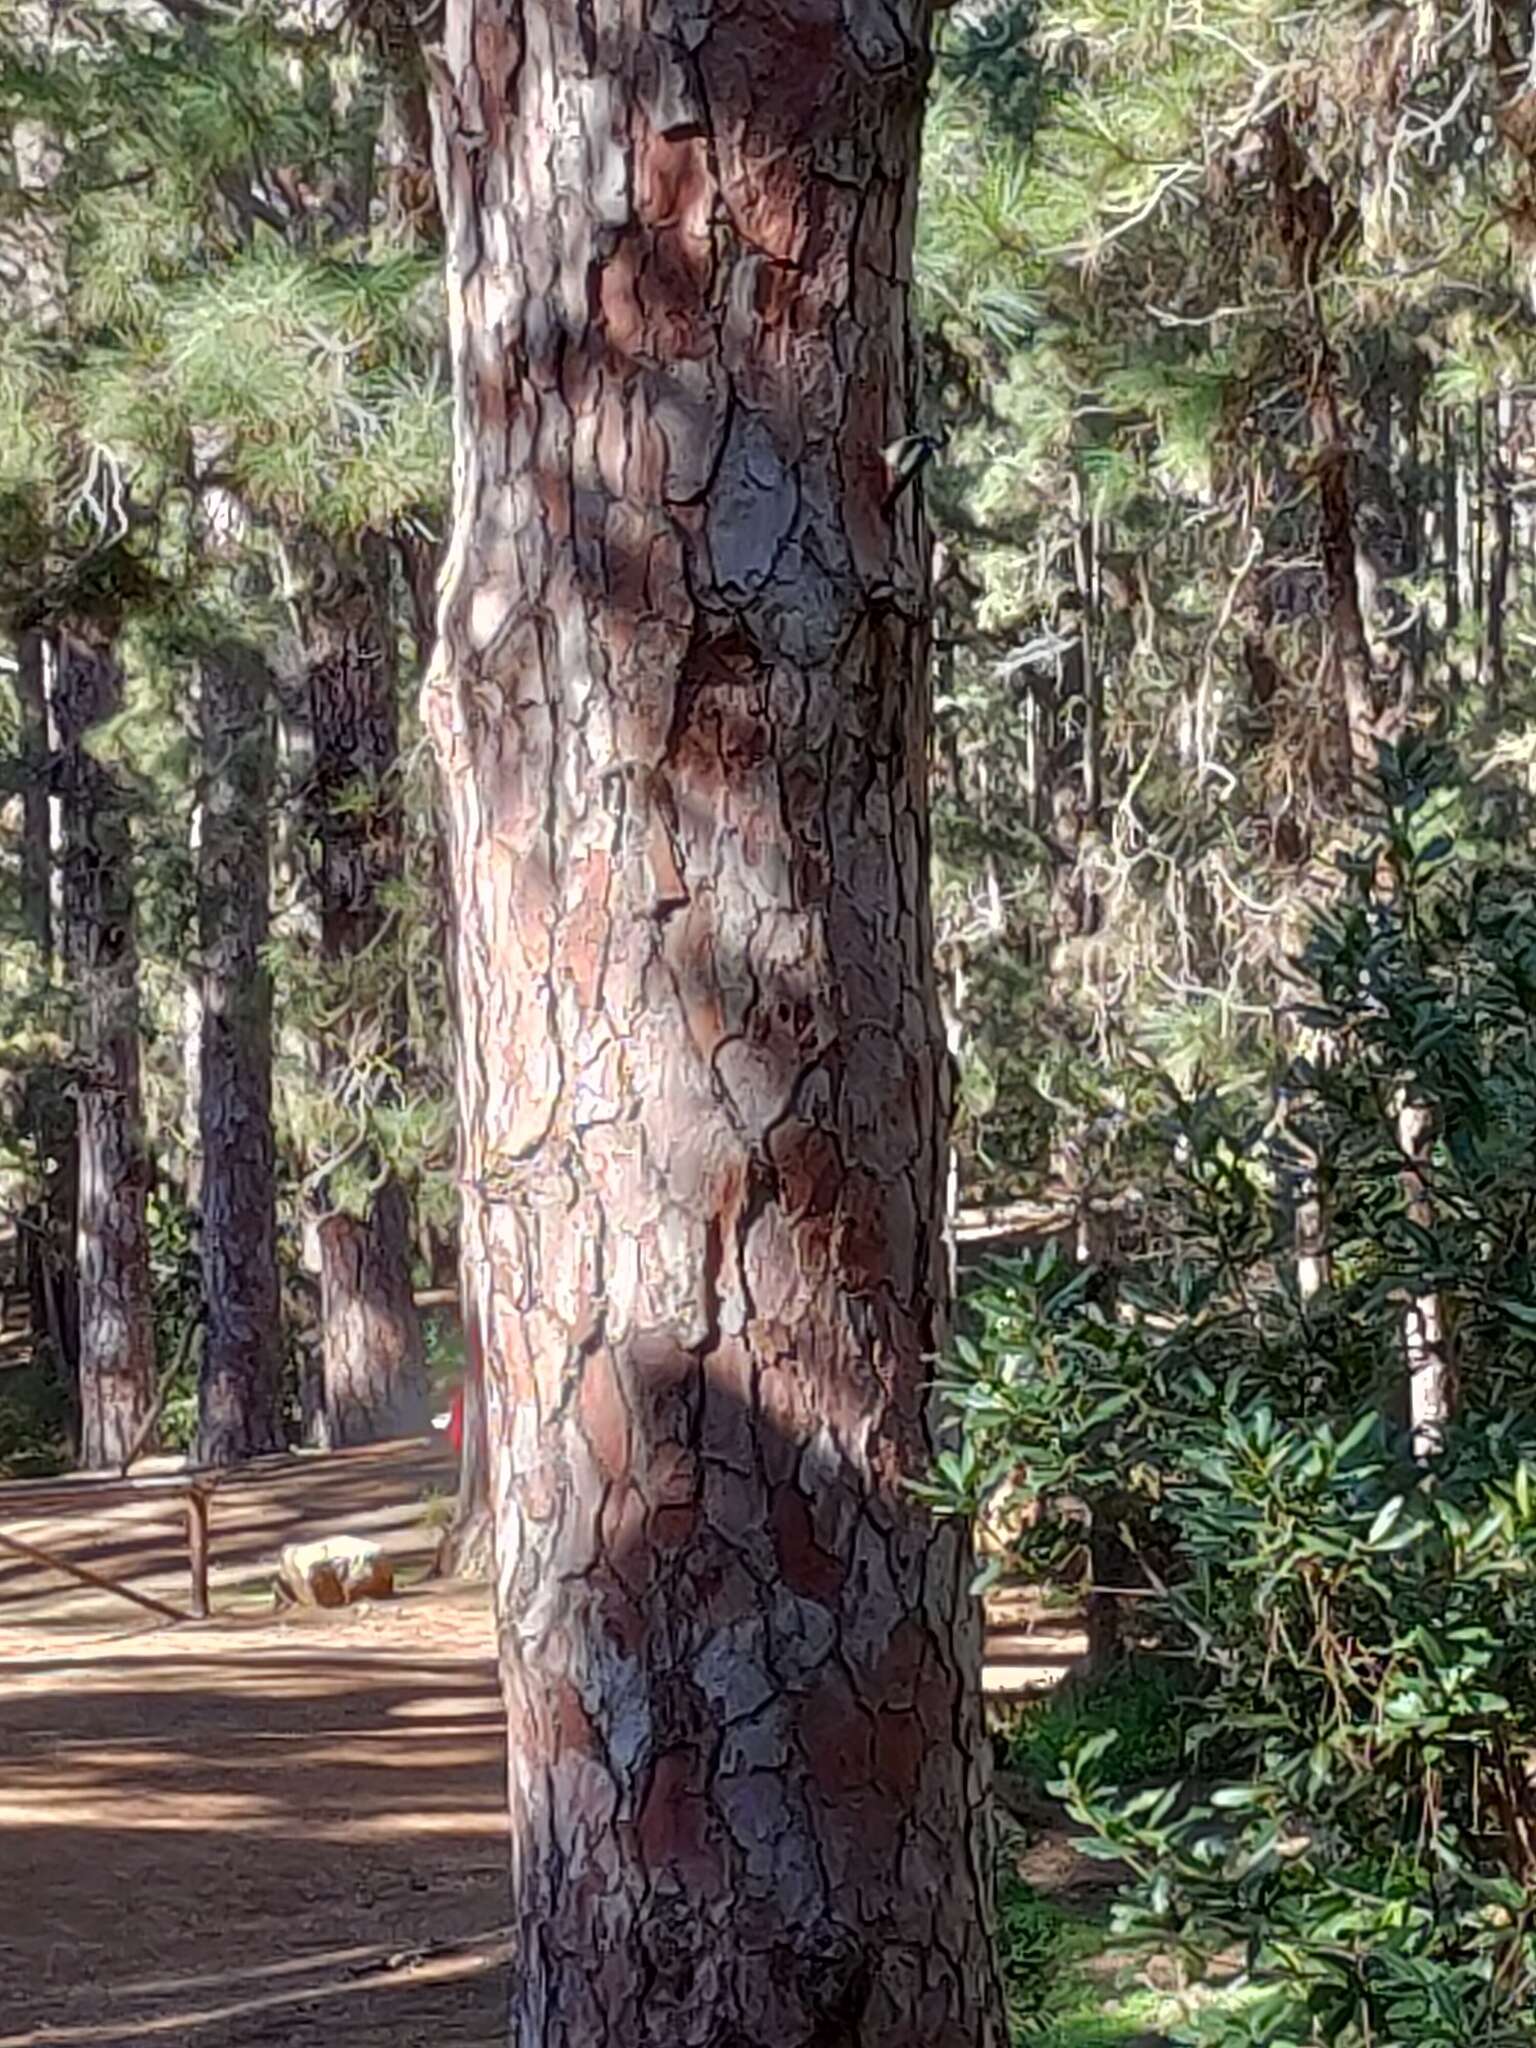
<point x="1143" y="1702"/>
<point x="1037" y="1946"/>
<point x="1356" y="1605"/>
<point x="442" y="1337"/>
<point x="34" y="1423"/>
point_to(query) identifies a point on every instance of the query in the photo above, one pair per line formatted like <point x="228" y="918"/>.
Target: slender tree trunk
<point x="1431" y="1377"/>
<point x="1091" y="680"/>
<point x="373" y="1361"/>
<point x="33" y="654"/>
<point x="1314" y="1266"/>
<point x="1301" y="1176"/>
<point x="49" y="1109"/>
<point x="116" y="1338"/>
<point x="1450" y="528"/>
<point x="1412" y="442"/>
<point x="240" y="1383"/>
<point x="680" y="702"/>
<point x="1501" y="556"/>
<point x="1304" y="218"/>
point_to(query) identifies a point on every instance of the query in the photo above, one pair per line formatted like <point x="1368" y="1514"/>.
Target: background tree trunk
<point x="240" y="1383"/>
<point x="375" y="1369"/>
<point x="116" y="1335"/>
<point x="375" y="1381"/>
<point x="33" y="654"/>
<point x="1431" y="1379"/>
<point x="680" y="701"/>
<point x="467" y="1548"/>
<point x="1501" y="559"/>
<point x="48" y="1226"/>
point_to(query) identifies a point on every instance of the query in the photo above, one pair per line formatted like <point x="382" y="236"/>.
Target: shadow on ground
<point x="275" y="1828"/>
<point x="278" y="1834"/>
<point x="388" y="1492"/>
<point x="283" y="1829"/>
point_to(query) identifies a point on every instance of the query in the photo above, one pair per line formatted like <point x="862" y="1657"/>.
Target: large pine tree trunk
<point x="681" y="706"/>
<point x="115" y="1331"/>
<point x="375" y="1381"/>
<point x="240" y="1383"/>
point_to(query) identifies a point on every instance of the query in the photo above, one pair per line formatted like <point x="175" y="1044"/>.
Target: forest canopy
<point x="866" y="727"/>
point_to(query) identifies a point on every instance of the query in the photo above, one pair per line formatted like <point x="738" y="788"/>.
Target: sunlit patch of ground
<point x="284" y="1829"/>
<point x="275" y="1828"/>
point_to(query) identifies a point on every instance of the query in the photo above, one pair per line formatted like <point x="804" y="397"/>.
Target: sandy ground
<point x="271" y="1827"/>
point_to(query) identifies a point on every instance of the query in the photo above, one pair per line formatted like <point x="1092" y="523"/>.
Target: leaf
<point x="1116" y="1404"/>
<point x="1362" y="1429"/>
<point x="1385" y="1522"/>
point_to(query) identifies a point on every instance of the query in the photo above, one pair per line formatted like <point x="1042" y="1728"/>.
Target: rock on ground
<point x="334" y="1572"/>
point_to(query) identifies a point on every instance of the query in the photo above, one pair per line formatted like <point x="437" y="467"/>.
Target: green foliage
<point x="442" y="1337"/>
<point x="177" y="1302"/>
<point x="1061" y="1970"/>
<point x="1037" y="1943"/>
<point x="1129" y="508"/>
<point x="1373" y="1640"/>
<point x="1145" y="1703"/>
<point x="34" y="1422"/>
<point x="218" y="364"/>
<point x="1353" y="1611"/>
<point x="319" y="373"/>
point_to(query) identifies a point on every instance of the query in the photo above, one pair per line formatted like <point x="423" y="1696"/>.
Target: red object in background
<point x="456" y="1421"/>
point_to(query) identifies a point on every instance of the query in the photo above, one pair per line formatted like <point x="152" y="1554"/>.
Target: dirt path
<point x="271" y="1828"/>
<point x="267" y="1829"/>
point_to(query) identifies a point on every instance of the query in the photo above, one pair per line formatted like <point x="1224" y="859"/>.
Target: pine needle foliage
<point x="1184" y="268"/>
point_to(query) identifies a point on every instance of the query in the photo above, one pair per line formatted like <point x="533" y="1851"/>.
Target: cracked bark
<point x="680" y="704"/>
<point x="372" y="1361"/>
<point x="115" y="1336"/>
<point x="240" y="1380"/>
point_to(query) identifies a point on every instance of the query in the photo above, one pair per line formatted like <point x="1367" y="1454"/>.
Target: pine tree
<point x="225" y="312"/>
<point x="83" y="688"/>
<point x="1228" y="325"/>
<point x="680" y="703"/>
<point x="373" y="1366"/>
<point x="240" y="1394"/>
